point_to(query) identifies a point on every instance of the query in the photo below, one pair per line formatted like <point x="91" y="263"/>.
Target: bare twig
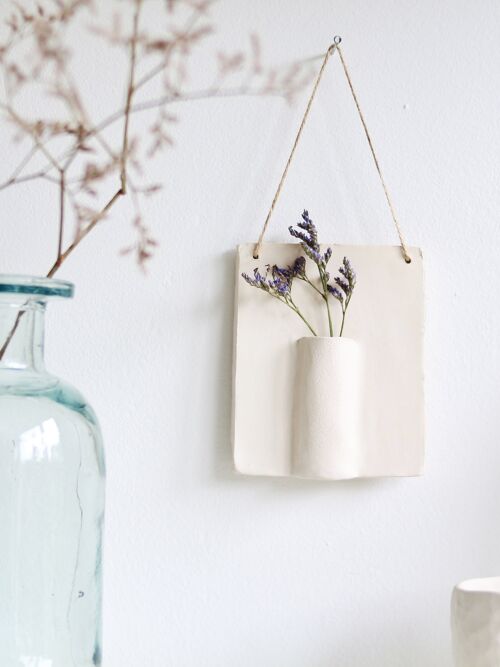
<point x="130" y="94"/>
<point x="10" y="336"/>
<point x="64" y="255"/>
<point x="47" y="32"/>
<point x="62" y="188"/>
<point x="36" y="176"/>
<point x="25" y="126"/>
<point x="43" y="33"/>
<point x="24" y="162"/>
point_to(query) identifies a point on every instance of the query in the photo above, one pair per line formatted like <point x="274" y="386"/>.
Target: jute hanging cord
<point x="331" y="49"/>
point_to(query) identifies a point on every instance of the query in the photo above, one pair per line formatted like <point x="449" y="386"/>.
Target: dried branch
<point x="64" y="255"/>
<point x="62" y="189"/>
<point x="130" y="94"/>
<point x="11" y="333"/>
<point x="33" y="130"/>
<point x="80" y="170"/>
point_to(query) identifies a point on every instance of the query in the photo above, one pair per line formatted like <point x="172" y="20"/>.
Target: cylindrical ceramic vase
<point x="327" y="409"/>
<point x="475" y="623"/>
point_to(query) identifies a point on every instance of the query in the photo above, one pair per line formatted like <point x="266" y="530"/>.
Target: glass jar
<point x="51" y="495"/>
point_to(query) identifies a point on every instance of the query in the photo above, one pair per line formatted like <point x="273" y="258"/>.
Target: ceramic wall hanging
<point x="338" y="404"/>
<point x="370" y="409"/>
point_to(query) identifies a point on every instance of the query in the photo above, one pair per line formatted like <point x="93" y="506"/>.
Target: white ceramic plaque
<point x="385" y="317"/>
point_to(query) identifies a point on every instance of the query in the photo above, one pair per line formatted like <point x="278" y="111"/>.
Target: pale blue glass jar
<point x="51" y="495"/>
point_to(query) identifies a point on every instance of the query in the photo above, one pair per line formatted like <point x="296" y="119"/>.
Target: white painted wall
<point x="205" y="569"/>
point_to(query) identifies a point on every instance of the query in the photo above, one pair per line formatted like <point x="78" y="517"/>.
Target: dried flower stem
<point x="288" y="301"/>
<point x="310" y="282"/>
<point x="296" y="310"/>
<point x="324" y="282"/>
<point x="322" y="293"/>
<point x="344" y="311"/>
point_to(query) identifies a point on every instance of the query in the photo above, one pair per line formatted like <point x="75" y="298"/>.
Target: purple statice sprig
<point x="277" y="282"/>
<point x="343" y="288"/>
<point x="308" y="237"/>
<point x="307" y="234"/>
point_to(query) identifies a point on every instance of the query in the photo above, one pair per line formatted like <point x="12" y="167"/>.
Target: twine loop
<point x="335" y="46"/>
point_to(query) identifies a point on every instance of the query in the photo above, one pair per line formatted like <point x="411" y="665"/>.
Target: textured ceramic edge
<point x="475" y="623"/>
<point x="327" y="409"/>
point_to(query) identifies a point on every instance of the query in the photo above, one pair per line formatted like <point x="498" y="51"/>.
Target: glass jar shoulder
<point x="46" y="389"/>
<point x="43" y="407"/>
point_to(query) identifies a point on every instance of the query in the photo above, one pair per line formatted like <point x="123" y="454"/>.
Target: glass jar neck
<point x="22" y="334"/>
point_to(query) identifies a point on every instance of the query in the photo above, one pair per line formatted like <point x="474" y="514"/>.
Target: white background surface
<point x="206" y="569"/>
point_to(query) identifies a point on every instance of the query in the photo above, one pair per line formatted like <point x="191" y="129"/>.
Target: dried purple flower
<point x="300" y="235"/>
<point x="280" y="282"/>
<point x="309" y="240"/>
<point x="346" y="284"/>
<point x="348" y="272"/>
<point x="308" y="225"/>
<point x="336" y="293"/>
<point x="316" y="256"/>
<point x="309" y="235"/>
<point x="280" y="286"/>
<point x="257" y="281"/>
<point x="282" y="272"/>
<point x="299" y="267"/>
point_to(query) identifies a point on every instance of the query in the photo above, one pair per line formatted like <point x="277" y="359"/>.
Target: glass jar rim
<point x="39" y="286"/>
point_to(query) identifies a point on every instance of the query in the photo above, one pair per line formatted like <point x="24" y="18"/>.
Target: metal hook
<point x="336" y="41"/>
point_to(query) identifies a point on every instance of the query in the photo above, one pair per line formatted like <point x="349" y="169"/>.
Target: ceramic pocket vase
<point x="475" y="623"/>
<point x="327" y="408"/>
